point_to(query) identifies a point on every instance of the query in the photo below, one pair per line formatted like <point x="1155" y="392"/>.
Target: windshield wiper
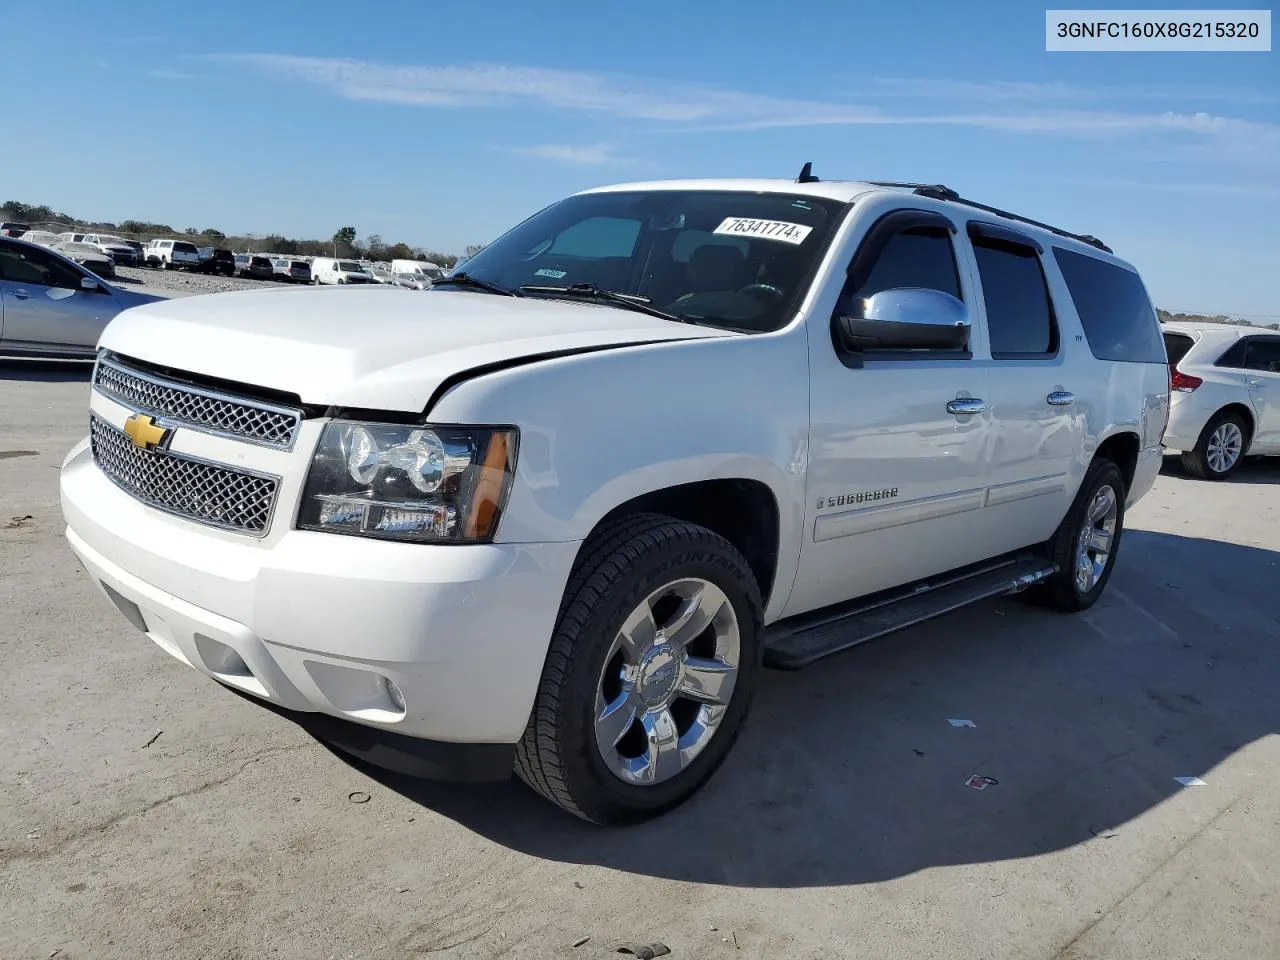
<point x="466" y="280"/>
<point x="589" y="291"/>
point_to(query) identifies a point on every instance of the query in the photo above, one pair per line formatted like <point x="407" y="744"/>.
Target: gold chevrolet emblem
<point x="145" y="432"/>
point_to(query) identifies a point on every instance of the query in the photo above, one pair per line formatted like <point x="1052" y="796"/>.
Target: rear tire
<point x="1221" y="447"/>
<point x="666" y="744"/>
<point x="1076" y="587"/>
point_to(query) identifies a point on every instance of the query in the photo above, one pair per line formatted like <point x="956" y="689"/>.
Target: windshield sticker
<point x="553" y="274"/>
<point x="793" y="233"/>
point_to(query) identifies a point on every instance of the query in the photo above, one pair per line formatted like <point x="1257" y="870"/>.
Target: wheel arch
<point x="1245" y="413"/>
<point x="742" y="510"/>
<point x="1122" y="448"/>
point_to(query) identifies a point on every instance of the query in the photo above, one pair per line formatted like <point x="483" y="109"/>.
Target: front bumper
<point x="316" y="624"/>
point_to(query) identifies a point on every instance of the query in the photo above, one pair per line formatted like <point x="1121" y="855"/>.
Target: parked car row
<point x="88" y="255"/>
<point x="102" y="253"/>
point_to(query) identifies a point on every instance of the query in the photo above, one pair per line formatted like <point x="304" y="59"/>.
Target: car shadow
<point x="849" y="771"/>
<point x="1264" y="470"/>
<point x="47" y="370"/>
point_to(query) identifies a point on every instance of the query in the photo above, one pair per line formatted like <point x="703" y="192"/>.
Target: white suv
<point x="1226" y="395"/>
<point x="558" y="511"/>
<point x="172" y="254"/>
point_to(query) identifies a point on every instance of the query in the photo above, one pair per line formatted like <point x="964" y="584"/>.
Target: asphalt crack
<point x="70" y="839"/>
<point x="1065" y="952"/>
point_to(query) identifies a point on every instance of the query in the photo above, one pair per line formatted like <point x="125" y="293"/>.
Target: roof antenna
<point x="806" y="174"/>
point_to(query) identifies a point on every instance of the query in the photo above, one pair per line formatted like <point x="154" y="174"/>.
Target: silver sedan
<point x="53" y="307"/>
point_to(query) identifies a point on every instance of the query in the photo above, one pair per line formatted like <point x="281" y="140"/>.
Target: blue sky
<point x="444" y="128"/>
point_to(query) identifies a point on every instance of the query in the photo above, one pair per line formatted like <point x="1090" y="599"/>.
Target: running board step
<point x="796" y="643"/>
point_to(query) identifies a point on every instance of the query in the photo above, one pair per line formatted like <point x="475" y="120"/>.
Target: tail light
<point x="1182" y="382"/>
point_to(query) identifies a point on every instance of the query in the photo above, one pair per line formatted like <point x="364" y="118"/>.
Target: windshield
<point x="349" y="267"/>
<point x="725" y="258"/>
<point x="182" y="246"/>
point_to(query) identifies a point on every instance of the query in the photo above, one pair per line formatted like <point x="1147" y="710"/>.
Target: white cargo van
<point x="338" y="270"/>
<point x="415" y="274"/>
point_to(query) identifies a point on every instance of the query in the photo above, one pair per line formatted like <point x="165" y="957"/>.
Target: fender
<point x="599" y="429"/>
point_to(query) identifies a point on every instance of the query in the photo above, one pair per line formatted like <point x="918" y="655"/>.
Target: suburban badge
<point x="866" y="496"/>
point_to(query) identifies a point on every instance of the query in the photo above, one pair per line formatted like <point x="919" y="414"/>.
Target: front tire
<point x="1220" y="449"/>
<point x="1086" y="543"/>
<point x="650" y="672"/>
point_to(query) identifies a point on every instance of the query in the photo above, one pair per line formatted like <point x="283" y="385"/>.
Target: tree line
<point x="1167" y="317"/>
<point x="345" y="241"/>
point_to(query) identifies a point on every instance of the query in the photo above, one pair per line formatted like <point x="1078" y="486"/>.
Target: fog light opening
<point x="392" y="692"/>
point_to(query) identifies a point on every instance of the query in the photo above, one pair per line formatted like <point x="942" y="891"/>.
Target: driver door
<point x="899" y="444"/>
<point x="44" y="306"/>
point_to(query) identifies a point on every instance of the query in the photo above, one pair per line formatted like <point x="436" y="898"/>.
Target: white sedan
<point x="1225" y="395"/>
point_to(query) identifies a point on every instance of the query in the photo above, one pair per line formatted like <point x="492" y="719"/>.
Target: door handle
<point x="1061" y="398"/>
<point x="1255" y="382"/>
<point x="966" y="405"/>
<point x="20" y="294"/>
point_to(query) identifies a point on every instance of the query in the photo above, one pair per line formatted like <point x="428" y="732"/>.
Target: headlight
<point x="397" y="482"/>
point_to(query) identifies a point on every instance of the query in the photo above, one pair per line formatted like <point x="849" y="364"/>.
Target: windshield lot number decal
<point x="553" y="274"/>
<point x="793" y="233"/>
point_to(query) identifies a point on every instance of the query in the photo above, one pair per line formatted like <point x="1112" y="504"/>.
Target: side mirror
<point x="88" y="283"/>
<point x="905" y="318"/>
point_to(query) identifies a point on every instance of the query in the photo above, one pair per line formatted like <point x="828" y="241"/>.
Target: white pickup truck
<point x="557" y="513"/>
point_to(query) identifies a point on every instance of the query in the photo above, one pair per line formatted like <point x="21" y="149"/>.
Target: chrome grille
<point x="204" y="492"/>
<point x="214" y="412"/>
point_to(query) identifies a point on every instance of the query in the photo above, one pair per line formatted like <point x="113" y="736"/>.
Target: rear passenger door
<point x="1037" y="424"/>
<point x="1262" y="360"/>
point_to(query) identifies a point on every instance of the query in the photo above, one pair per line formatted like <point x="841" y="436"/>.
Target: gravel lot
<point x="180" y="283"/>
<point x="146" y="812"/>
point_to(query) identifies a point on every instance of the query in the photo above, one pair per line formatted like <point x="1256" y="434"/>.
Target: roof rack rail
<point x="938" y="192"/>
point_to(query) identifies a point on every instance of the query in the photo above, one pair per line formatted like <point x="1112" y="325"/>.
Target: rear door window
<point x="1115" y="311"/>
<point x="1019" y="315"/>
<point x="1263" y="354"/>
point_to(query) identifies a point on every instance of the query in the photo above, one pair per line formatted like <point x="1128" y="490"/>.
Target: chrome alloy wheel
<point x="1225" y="446"/>
<point x="667" y="681"/>
<point x="1097" y="538"/>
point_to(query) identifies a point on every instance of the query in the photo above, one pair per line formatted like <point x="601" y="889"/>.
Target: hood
<point x="116" y="245"/>
<point x="80" y="251"/>
<point x="375" y="347"/>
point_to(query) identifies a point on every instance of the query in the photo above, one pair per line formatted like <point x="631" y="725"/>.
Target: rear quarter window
<point x="1114" y="309"/>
